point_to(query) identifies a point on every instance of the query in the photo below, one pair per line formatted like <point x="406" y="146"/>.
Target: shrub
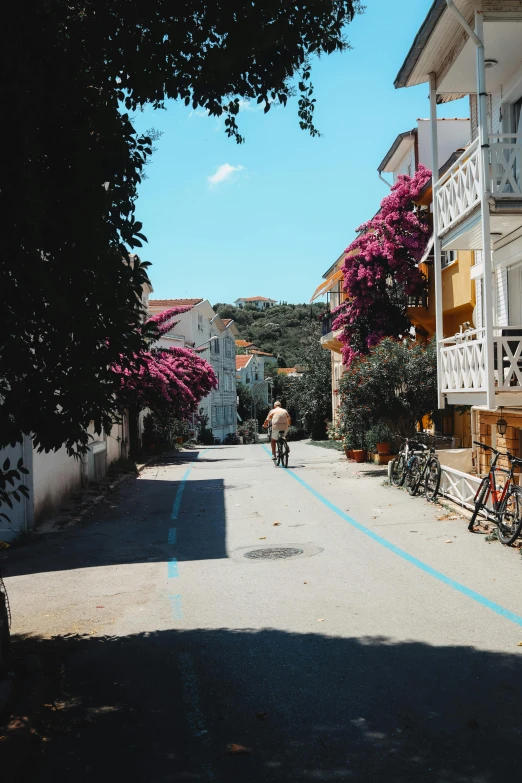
<point x="293" y="433"/>
<point x="379" y="433"/>
<point x="232" y="439"/>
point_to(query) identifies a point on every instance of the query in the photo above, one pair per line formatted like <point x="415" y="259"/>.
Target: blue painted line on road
<point x="177" y="606"/>
<point x="172" y="568"/>
<point x="467" y="591"/>
<point x="179" y="495"/>
<point x="172" y="536"/>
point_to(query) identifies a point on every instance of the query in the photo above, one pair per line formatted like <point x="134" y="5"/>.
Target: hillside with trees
<point x="278" y="330"/>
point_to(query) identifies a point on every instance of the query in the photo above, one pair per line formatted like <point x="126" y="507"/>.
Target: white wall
<point x="56" y="476"/>
<point x="451" y="135"/>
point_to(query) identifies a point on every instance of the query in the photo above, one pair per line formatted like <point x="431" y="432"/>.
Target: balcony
<point x="463" y="366"/>
<point x="329" y="338"/>
<point x="458" y="192"/>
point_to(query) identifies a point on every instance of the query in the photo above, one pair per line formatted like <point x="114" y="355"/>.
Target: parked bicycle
<point x="5" y="622"/>
<point x="400" y="463"/>
<point x="416" y="465"/>
<point x="506" y="512"/>
<point x="282" y="450"/>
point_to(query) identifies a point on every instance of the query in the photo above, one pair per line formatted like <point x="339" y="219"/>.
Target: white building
<point x="250" y="371"/>
<point x="474" y="47"/>
<point x="261" y="302"/>
<point x="413" y="148"/>
<point x="201" y="326"/>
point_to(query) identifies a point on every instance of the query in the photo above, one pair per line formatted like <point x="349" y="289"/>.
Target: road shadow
<point x="132" y="527"/>
<point x="165" y="706"/>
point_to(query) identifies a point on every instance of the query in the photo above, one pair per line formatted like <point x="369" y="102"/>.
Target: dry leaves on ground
<point x="276" y="524"/>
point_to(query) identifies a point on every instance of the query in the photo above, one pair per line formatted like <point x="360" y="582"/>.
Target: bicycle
<point x="282" y="450"/>
<point x="5" y="622"/>
<point x="400" y="463"/>
<point x="416" y="467"/>
<point x="507" y="508"/>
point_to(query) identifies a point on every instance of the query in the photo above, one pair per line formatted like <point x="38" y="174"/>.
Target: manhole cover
<point x="273" y="553"/>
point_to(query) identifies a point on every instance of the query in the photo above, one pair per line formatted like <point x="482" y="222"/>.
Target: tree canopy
<point x="72" y="72"/>
<point x="394" y="384"/>
<point x="277" y="330"/>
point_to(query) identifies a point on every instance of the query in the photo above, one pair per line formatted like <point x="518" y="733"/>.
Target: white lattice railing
<point x="463" y="360"/>
<point x="506" y="156"/>
<point x="458" y="190"/>
<point x="460" y="487"/>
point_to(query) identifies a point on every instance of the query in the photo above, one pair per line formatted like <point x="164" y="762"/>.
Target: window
<point x="200" y="323"/>
<point x="218" y="416"/>
<point x="215" y="346"/>
<point x="217" y="378"/>
<point x="228" y="347"/>
<point x="448" y="257"/>
<point x="257" y="376"/>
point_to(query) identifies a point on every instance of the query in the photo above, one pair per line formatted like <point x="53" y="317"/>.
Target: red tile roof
<point x="242" y="361"/>
<point x="173" y="302"/>
<point x="227" y="321"/>
<point x="243" y="343"/>
<point x="285" y="370"/>
<point x="256" y="299"/>
<point x="260" y="353"/>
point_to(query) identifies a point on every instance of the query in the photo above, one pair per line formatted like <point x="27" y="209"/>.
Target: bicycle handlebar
<point x="486" y="447"/>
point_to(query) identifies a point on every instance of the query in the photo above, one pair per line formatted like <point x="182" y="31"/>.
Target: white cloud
<point x="223" y="173"/>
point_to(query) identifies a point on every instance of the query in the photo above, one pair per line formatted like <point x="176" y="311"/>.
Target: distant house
<point x="200" y="327"/>
<point x="292" y="372"/>
<point x="250" y="371"/>
<point x="261" y="302"/>
<point x="242" y="344"/>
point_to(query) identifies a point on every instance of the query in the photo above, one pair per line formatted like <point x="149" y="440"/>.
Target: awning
<point x="427" y="252"/>
<point x="327" y="284"/>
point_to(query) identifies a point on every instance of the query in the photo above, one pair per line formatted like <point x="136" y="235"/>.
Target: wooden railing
<point x="458" y="190"/>
<point x="463" y="360"/>
<point x="506" y="156"/>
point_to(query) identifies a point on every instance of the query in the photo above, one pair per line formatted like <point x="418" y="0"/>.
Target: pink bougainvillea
<point x="380" y="269"/>
<point x="174" y="378"/>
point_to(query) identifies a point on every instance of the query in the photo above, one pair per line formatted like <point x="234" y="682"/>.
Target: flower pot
<point x="359" y="455"/>
<point x="348" y="452"/>
<point x="383" y="448"/>
<point x="179" y="440"/>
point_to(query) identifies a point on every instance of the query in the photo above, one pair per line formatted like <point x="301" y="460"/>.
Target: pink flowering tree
<point x="172" y="380"/>
<point x="380" y="269"/>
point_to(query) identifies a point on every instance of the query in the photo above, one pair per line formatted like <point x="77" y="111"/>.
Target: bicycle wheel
<point x="509" y="520"/>
<point x="5" y="646"/>
<point x="398" y="471"/>
<point x="432" y="480"/>
<point x="480" y="501"/>
<point x="413" y="476"/>
<point x="285" y="455"/>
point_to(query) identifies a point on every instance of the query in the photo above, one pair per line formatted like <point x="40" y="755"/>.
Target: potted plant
<point x="359" y="447"/>
<point x="379" y="438"/>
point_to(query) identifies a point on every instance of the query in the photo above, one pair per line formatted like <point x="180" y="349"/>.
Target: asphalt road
<point x="386" y="648"/>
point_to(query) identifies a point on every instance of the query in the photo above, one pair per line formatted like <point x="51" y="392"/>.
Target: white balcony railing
<point x="463" y="360"/>
<point x="505" y="157"/>
<point x="458" y="190"/>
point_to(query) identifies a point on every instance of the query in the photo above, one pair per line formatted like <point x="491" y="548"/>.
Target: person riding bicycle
<point x="279" y="419"/>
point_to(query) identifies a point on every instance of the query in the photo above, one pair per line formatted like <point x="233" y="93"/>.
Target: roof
<point x="286" y="370"/>
<point x="243" y="343"/>
<point x="395" y="146"/>
<point x="255" y="299"/>
<point x="227" y="321"/>
<point x="242" y="360"/>
<point x="260" y="353"/>
<point x="421" y="39"/>
<point x="174" y="302"/>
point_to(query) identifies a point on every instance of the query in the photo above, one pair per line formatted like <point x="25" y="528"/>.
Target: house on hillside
<point x="250" y="371"/>
<point x="261" y="302"/>
<point x="474" y="48"/>
<point x="201" y="328"/>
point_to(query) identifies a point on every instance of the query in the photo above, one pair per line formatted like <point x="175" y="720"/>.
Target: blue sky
<point x="281" y="207"/>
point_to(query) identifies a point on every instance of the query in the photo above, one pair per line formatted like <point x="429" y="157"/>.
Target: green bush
<point x="379" y="433"/>
<point x="293" y="433"/>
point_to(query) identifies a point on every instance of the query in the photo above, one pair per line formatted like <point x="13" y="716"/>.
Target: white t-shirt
<point x="280" y="420"/>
